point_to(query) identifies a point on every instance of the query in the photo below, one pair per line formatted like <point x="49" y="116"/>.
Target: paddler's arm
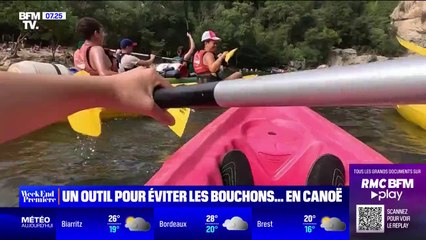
<point x="146" y="63"/>
<point x="214" y="66"/>
<point x="191" y="48"/>
<point x="29" y="102"/>
<point x="100" y="61"/>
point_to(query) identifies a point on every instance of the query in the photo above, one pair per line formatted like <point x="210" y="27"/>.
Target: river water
<point x="131" y="150"/>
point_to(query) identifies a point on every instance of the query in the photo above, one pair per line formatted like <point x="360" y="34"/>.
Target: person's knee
<point x="236" y="75"/>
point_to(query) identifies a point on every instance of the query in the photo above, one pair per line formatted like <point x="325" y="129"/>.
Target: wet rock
<point x="344" y="57"/>
<point x="322" y="66"/>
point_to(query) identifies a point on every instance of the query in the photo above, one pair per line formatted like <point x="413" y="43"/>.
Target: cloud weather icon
<point x="332" y="224"/>
<point x="137" y="224"/>
<point x="235" y="224"/>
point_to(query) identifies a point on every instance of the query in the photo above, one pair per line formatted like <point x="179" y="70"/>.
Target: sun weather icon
<point x="332" y="224"/>
<point x="137" y="224"/>
<point x="235" y="224"/>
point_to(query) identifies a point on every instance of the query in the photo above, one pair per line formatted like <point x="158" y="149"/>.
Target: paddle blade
<point x="181" y="116"/>
<point x="250" y="76"/>
<point x="230" y="54"/>
<point x="412" y="47"/>
<point x="87" y="122"/>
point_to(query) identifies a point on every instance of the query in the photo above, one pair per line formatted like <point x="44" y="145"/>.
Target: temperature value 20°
<point x="309" y="218"/>
<point x="211" y="229"/>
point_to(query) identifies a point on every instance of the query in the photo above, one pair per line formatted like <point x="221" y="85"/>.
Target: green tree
<point x="267" y="33"/>
<point x="57" y="32"/>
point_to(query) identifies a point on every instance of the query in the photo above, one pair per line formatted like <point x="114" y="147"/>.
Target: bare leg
<point x="235" y="75"/>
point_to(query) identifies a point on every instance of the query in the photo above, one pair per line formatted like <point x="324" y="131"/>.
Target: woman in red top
<point x="206" y="66"/>
<point x="97" y="61"/>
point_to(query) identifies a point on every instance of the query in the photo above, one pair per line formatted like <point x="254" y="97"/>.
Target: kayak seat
<point x="235" y="169"/>
<point x="328" y="170"/>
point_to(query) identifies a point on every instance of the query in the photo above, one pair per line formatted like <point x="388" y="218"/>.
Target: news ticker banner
<point x="180" y="213"/>
<point x="383" y="202"/>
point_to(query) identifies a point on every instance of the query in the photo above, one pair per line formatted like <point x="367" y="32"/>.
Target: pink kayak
<point x="267" y="146"/>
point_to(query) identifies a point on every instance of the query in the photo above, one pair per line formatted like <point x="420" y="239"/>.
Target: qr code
<point x="370" y="218"/>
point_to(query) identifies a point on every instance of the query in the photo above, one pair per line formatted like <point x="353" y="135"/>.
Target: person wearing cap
<point x="97" y="60"/>
<point x="127" y="61"/>
<point x="206" y="66"/>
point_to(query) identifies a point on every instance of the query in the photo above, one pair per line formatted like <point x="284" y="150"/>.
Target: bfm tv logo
<point x="392" y="183"/>
<point x="29" y="19"/>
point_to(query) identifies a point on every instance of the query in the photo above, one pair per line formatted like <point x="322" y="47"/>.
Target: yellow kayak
<point x="414" y="113"/>
<point x="108" y="114"/>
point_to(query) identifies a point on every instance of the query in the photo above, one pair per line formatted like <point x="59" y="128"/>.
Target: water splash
<point x="86" y="147"/>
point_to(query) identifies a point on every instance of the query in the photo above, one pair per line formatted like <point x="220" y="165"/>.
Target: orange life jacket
<point x="198" y="63"/>
<point x="84" y="52"/>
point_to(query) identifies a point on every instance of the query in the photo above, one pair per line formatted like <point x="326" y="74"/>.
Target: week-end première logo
<point x="38" y="196"/>
<point x="29" y="19"/>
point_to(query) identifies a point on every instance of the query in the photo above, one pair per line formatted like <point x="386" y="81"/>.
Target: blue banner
<point x="386" y="202"/>
<point x="179" y="213"/>
<point x="107" y="196"/>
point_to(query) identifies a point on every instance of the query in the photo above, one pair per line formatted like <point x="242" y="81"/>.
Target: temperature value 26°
<point x="113" y="218"/>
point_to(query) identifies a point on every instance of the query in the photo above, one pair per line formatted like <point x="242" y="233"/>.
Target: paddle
<point x="230" y="54"/>
<point x="88" y="122"/>
<point x="146" y="55"/>
<point x="400" y="81"/>
<point x="227" y="57"/>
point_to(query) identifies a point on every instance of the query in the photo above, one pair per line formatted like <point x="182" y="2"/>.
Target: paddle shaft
<point x="401" y="81"/>
<point x="147" y="55"/>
